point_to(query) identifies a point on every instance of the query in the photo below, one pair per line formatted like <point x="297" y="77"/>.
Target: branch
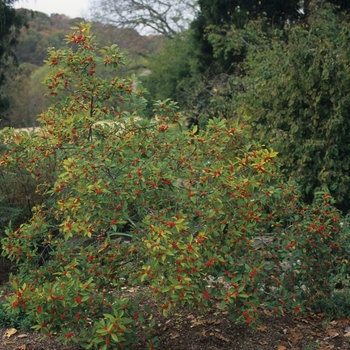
<point x="165" y="17"/>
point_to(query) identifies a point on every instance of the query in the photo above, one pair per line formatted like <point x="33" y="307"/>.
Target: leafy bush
<point x="187" y="217"/>
<point x="295" y="98"/>
<point x="9" y="214"/>
<point x="18" y="188"/>
<point x="335" y="306"/>
<point x="19" y="320"/>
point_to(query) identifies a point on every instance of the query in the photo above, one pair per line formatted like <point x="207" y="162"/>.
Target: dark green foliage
<point x="335" y="306"/>
<point x="221" y="38"/>
<point x="19" y="320"/>
<point x="9" y="214"/>
<point x="10" y="24"/>
<point x="209" y="96"/>
<point x="174" y="75"/>
<point x="296" y="94"/>
<point x="343" y="5"/>
<point x="18" y="194"/>
<point x="221" y="14"/>
<point x="172" y="70"/>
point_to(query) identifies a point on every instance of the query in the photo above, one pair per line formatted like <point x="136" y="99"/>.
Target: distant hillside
<point x="47" y="31"/>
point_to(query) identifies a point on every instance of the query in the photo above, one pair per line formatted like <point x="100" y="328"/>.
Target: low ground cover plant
<point x="190" y="217"/>
<point x="14" y="319"/>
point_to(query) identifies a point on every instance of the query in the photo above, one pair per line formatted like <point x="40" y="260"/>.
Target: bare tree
<point x="165" y="17"/>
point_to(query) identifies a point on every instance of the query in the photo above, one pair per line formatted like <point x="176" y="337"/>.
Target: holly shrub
<point x="183" y="217"/>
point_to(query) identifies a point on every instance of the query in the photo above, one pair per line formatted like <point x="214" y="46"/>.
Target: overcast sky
<point x="71" y="8"/>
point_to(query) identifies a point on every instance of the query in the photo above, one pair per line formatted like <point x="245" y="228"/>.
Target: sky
<point x="71" y="8"/>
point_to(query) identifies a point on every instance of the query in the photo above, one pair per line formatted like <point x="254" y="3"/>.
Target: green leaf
<point x="148" y="309"/>
<point x="115" y="338"/>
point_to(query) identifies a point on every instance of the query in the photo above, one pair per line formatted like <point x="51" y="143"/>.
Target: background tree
<point x="20" y="91"/>
<point x="173" y="73"/>
<point x="207" y="89"/>
<point x="10" y="24"/>
<point x="222" y="14"/>
<point x="340" y="5"/>
<point x="164" y="17"/>
<point x="170" y="67"/>
<point x="295" y="94"/>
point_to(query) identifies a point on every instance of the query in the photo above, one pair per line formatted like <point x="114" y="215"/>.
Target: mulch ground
<point x="188" y="330"/>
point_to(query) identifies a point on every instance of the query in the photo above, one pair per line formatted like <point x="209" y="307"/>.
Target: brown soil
<point x="188" y="330"/>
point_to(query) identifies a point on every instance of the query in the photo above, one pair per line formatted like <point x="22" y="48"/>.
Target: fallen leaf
<point x="281" y="347"/>
<point x="347" y="335"/>
<point x="174" y="335"/>
<point x="21" y="347"/>
<point x="263" y="342"/>
<point x="267" y="312"/>
<point x="262" y="328"/>
<point x="195" y="323"/>
<point x="309" y="322"/>
<point x="332" y="333"/>
<point x="344" y="321"/>
<point x="295" y="335"/>
<point x="311" y="332"/>
<point x="214" y="322"/>
<point x="10" y="332"/>
<point x="221" y="337"/>
<point x="22" y="336"/>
